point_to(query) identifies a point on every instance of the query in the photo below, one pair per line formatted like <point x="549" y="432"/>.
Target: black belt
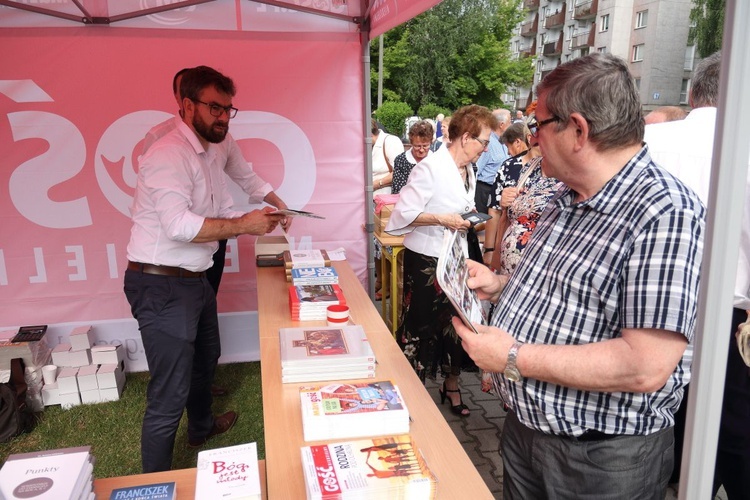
<point x="176" y="272"/>
<point x="594" y="436"/>
<point x="485" y="183"/>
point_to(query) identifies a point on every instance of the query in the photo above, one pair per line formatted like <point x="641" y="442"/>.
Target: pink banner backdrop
<point x="75" y="104"/>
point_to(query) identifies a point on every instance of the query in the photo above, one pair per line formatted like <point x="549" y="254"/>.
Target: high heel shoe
<point x="460" y="409"/>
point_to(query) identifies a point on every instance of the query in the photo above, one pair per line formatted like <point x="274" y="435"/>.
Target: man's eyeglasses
<point x="483" y="142"/>
<point x="217" y="110"/>
<point x="534" y="125"/>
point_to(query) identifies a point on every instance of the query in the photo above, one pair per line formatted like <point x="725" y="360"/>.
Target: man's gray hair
<point x="704" y="90"/>
<point x="601" y="89"/>
<point x="502" y="115"/>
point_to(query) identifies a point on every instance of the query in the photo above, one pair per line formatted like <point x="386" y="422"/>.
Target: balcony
<point x="585" y="39"/>
<point x="553" y="48"/>
<point x="529" y="50"/>
<point x="530" y="28"/>
<point x="555" y="20"/>
<point x="531" y="5"/>
<point x="585" y="9"/>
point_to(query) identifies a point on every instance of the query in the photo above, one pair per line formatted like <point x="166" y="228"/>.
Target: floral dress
<point x="524" y="212"/>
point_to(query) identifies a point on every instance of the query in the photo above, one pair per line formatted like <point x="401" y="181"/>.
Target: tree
<point x="707" y="18"/>
<point x="454" y="54"/>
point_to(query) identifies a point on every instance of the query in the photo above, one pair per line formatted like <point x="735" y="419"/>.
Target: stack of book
<point x="228" y="473"/>
<point x="297" y="259"/>
<point x="347" y="410"/>
<point x="313" y="276"/>
<point x="51" y="474"/>
<point x="325" y="353"/>
<point x="309" y="302"/>
<point x="388" y="467"/>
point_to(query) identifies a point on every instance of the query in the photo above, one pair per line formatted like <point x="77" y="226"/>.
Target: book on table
<point x="452" y="273"/>
<point x="324" y="347"/>
<point x="348" y="409"/>
<point x="228" y="473"/>
<point x="156" y="491"/>
<point x="306" y="258"/>
<point x="310" y="302"/>
<point x="48" y="475"/>
<point x="295" y="378"/>
<point x="373" y="468"/>
<point x="313" y="276"/>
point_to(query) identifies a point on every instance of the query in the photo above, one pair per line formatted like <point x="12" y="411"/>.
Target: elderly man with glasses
<point x="180" y="210"/>
<point x="591" y="341"/>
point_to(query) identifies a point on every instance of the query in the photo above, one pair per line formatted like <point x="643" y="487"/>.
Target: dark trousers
<point x="213" y="273"/>
<point x="538" y="465"/>
<point x="733" y="454"/>
<point x="180" y="331"/>
<point x="482" y="196"/>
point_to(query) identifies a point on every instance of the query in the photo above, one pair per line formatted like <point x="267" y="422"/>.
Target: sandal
<point x="460" y="409"/>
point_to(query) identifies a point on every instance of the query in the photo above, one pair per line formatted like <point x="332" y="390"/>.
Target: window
<point x="689" y="57"/>
<point x="604" y="23"/>
<point x="584" y="51"/>
<point x="571" y="32"/>
<point x="540" y="66"/>
<point x="637" y="53"/>
<point x="641" y="19"/>
<point x="602" y="50"/>
<point x="684" y="90"/>
<point x="516" y="46"/>
<point x="637" y="83"/>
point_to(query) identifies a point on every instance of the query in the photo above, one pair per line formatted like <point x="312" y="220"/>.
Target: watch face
<point x="512" y="374"/>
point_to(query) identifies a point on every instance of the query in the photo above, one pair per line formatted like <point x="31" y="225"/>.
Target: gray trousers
<point x="538" y="465"/>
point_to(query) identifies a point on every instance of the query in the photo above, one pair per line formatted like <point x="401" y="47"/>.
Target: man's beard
<point x="214" y="134"/>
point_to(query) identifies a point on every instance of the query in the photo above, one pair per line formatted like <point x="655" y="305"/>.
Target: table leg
<point x="383" y="268"/>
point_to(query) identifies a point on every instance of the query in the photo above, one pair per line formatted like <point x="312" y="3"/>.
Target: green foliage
<point x="430" y="110"/>
<point x="114" y="429"/>
<point x="707" y="16"/>
<point x="454" y="54"/>
<point x="392" y="115"/>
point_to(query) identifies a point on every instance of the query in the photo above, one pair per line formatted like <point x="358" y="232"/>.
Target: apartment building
<point x="652" y="35"/>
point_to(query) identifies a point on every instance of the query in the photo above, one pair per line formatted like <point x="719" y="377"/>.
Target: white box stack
<point x="87" y="373"/>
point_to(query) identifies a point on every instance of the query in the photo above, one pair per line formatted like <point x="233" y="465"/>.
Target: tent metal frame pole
<point x="367" y="144"/>
<point x="725" y="210"/>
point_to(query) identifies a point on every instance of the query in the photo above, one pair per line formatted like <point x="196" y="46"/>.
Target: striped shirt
<point x="628" y="257"/>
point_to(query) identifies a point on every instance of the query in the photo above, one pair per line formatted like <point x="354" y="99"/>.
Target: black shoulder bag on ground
<point x="15" y="417"/>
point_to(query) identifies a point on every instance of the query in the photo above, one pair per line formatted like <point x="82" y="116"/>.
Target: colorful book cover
<point x="325" y="346"/>
<point x="388" y="467"/>
<point x="314" y="276"/>
<point x="228" y="473"/>
<point x="157" y="491"/>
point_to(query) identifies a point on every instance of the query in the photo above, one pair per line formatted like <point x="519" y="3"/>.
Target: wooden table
<point x="185" y="479"/>
<point x="457" y="476"/>
<point x="392" y="246"/>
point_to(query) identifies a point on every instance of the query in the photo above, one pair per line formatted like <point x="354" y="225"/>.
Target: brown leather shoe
<point x="217" y="390"/>
<point x="222" y="424"/>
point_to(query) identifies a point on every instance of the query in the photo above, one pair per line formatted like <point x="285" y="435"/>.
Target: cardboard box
<point x="91" y="396"/>
<point x="60" y="355"/>
<point x="270" y="245"/>
<point x="79" y="358"/>
<point x="109" y="376"/>
<point x="67" y="381"/>
<point x="50" y="394"/>
<point x="80" y="338"/>
<point x="70" y="400"/>
<point x="108" y="355"/>
<point x="87" y="379"/>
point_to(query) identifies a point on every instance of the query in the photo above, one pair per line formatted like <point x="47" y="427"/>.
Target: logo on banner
<point x="168" y="18"/>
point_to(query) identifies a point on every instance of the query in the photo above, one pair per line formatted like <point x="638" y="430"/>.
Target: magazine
<point x="452" y="273"/>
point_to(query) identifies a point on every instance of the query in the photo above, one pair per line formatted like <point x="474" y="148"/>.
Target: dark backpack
<point x="15" y="417"/>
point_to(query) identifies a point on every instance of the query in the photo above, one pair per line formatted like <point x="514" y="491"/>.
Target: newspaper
<point x="452" y="273"/>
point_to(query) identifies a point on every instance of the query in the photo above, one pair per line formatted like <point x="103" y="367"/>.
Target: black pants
<point x="733" y="454"/>
<point x="180" y="332"/>
<point x="482" y="196"/>
<point x="213" y="273"/>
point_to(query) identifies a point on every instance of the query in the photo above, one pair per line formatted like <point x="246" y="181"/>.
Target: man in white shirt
<point x="685" y="148"/>
<point x="180" y="210"/>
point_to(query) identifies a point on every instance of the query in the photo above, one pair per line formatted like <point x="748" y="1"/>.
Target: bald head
<point x="665" y="114"/>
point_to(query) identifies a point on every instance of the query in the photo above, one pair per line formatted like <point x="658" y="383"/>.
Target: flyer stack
<point x="325" y="353"/>
<point x="52" y="474"/>
<point x="348" y="410"/>
<point x="228" y="473"/>
<point x="388" y="467"/>
<point x="309" y="302"/>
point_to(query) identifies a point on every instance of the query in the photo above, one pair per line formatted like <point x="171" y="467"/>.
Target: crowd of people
<point x="592" y="261"/>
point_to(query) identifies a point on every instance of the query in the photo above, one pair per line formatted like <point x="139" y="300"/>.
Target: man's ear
<point x="581" y="127"/>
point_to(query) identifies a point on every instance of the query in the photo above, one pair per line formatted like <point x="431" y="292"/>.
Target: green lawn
<point x="114" y="429"/>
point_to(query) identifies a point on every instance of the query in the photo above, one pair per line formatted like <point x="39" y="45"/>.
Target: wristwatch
<point x="511" y="371"/>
